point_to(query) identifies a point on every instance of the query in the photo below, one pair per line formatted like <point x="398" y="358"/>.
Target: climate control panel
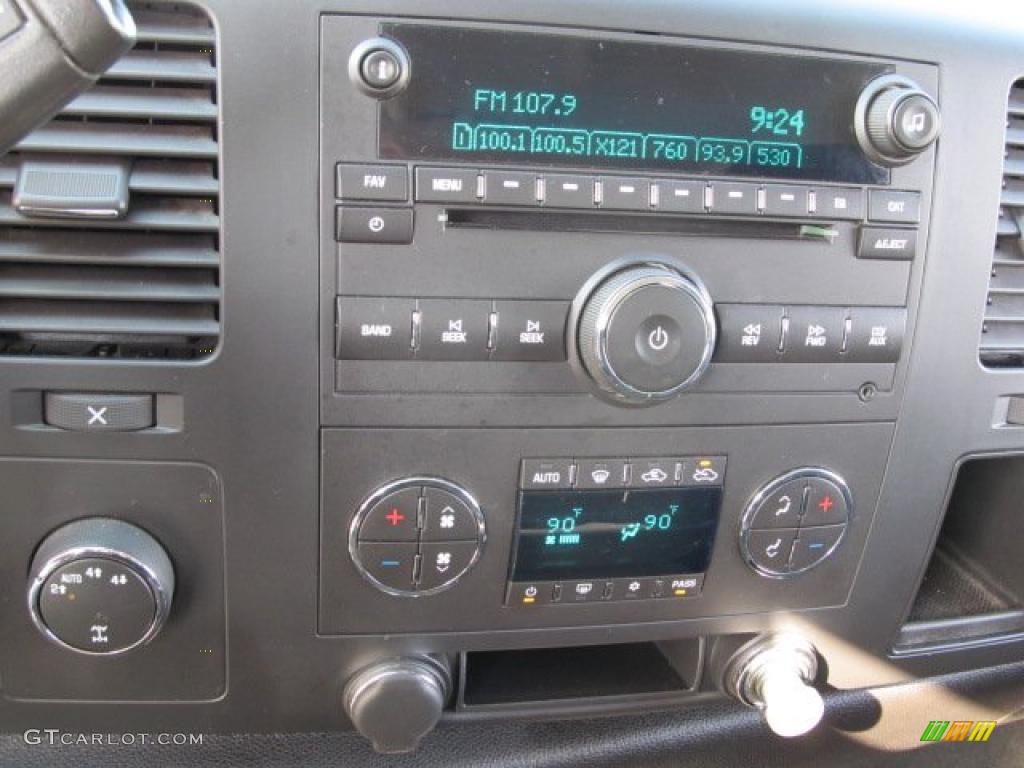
<point x="796" y="522"/>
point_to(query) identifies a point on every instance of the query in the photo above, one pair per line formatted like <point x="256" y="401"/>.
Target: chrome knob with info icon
<point x="895" y="120"/>
<point x="646" y="332"/>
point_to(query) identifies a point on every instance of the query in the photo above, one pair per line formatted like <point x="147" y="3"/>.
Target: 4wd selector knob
<point x="100" y="586"/>
<point x="896" y="120"/>
<point x="646" y="333"/>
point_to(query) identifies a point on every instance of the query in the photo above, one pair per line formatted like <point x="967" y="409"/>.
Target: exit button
<point x="894" y="206"/>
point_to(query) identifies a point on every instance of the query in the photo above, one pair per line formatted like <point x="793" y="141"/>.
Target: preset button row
<point x="634" y="193"/>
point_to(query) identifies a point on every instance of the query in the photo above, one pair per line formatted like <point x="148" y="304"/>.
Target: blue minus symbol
<point x="390" y="563"/>
<point x="815" y="546"/>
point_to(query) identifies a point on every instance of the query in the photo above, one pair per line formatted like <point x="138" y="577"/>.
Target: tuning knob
<point x="775" y="673"/>
<point x="100" y="586"/>
<point x="896" y="120"/>
<point x="397" y="702"/>
<point x="646" y="333"/>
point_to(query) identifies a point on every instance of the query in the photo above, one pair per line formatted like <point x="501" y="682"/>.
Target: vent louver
<point x="1002" y="337"/>
<point x="146" y="283"/>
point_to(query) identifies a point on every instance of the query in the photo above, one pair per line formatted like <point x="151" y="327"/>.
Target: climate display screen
<point x="483" y="96"/>
<point x="609" y="534"/>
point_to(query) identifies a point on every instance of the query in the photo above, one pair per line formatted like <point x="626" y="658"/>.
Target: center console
<point x="557" y="254"/>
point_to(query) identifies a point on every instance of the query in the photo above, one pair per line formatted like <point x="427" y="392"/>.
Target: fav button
<point x="356" y="181"/>
<point x="448" y="518"/>
<point x="357" y="224"/>
<point x="454" y="329"/>
<point x="769" y="550"/>
<point x="393" y="518"/>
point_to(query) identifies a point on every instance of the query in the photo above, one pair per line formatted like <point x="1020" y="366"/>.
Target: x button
<point x="97" y="415"/>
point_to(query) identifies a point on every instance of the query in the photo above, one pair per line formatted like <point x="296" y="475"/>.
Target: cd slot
<point x="639" y="223"/>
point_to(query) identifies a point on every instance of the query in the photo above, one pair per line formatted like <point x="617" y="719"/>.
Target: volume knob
<point x="896" y="120"/>
<point x="646" y="333"/>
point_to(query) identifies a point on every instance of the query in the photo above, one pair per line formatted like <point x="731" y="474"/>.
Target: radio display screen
<point x="609" y="534"/>
<point x="485" y="96"/>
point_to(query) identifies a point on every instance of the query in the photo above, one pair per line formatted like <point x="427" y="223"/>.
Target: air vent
<point x="1002" y="335"/>
<point x="139" y="279"/>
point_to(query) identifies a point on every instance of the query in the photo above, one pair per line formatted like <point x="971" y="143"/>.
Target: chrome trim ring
<point x="421" y="481"/>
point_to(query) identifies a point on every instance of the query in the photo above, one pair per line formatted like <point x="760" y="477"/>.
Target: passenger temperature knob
<point x="646" y="333"/>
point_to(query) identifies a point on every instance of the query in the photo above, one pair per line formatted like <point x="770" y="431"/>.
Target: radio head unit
<point x="513" y="97"/>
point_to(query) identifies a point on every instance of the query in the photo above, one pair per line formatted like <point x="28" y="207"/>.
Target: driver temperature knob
<point x="646" y="333"/>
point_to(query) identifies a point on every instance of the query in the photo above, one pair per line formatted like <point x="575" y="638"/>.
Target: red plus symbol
<point x="826" y="504"/>
<point x="394" y="517"/>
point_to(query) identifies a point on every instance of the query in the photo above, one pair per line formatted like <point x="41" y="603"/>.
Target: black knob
<point x="646" y="333"/>
<point x="397" y="702"/>
<point x="896" y="120"/>
<point x="379" y="67"/>
<point x="100" y="586"/>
